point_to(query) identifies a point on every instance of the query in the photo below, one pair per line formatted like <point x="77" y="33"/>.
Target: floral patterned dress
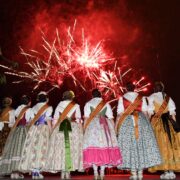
<point x="35" y="148"/>
<point x="100" y="145"/>
<point x="65" y="147"/>
<point x="142" y="152"/>
<point x="13" y="148"/>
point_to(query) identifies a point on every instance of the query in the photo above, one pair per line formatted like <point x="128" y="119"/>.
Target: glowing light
<point x="145" y="89"/>
<point x="91" y="57"/>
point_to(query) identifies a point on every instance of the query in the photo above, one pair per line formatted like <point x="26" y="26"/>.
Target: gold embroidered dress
<point x="166" y="133"/>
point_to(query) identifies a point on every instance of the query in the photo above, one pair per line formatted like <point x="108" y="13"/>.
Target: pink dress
<point x="100" y="145"/>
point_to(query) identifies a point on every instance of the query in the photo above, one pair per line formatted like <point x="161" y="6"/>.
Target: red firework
<point x="88" y="66"/>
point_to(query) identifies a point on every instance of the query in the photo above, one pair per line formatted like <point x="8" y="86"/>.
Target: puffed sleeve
<point x="17" y="112"/>
<point x="87" y="110"/>
<point x="57" y="112"/>
<point x="49" y="112"/>
<point x="34" y="111"/>
<point x="78" y="112"/>
<point x="144" y="105"/>
<point x="109" y="112"/>
<point x="120" y="108"/>
<point x="150" y="105"/>
<point x="29" y="115"/>
<point x="171" y="107"/>
<point x="11" y="118"/>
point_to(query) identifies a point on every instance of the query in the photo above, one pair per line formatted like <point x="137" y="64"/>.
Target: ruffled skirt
<point x="100" y="145"/>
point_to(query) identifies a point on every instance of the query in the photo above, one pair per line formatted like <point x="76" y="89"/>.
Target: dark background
<point x="145" y="32"/>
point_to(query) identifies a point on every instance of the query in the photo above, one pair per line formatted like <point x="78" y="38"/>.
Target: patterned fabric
<point x="138" y="153"/>
<point x="56" y="154"/>
<point x="170" y="151"/>
<point x="100" y="147"/>
<point x="3" y="137"/>
<point x="35" y="148"/>
<point x="13" y="150"/>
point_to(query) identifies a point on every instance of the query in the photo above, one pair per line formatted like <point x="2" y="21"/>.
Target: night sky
<point x="144" y="34"/>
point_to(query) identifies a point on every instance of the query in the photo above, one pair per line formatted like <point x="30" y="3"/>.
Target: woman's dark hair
<point x="25" y="100"/>
<point x="42" y="98"/>
<point x="130" y="86"/>
<point x="159" y="87"/>
<point x="96" y="93"/>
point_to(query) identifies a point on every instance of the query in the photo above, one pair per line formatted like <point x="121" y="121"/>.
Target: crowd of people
<point x="144" y="135"/>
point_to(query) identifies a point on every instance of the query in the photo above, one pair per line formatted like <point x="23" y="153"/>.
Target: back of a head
<point x="25" y="100"/>
<point x="158" y="86"/>
<point x="96" y="93"/>
<point x="130" y="86"/>
<point x="7" y="101"/>
<point x="68" y="95"/>
<point x="42" y="97"/>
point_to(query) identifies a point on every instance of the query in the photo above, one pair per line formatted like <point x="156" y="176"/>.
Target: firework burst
<point x="86" y="65"/>
<point x="112" y="82"/>
<point x="63" y="58"/>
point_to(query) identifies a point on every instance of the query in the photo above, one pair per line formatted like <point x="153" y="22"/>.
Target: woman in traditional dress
<point x="100" y="146"/>
<point x="35" y="148"/>
<point x="9" y="162"/>
<point x="7" y="119"/>
<point x="162" y="109"/>
<point x="65" y="149"/>
<point x="135" y="134"/>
